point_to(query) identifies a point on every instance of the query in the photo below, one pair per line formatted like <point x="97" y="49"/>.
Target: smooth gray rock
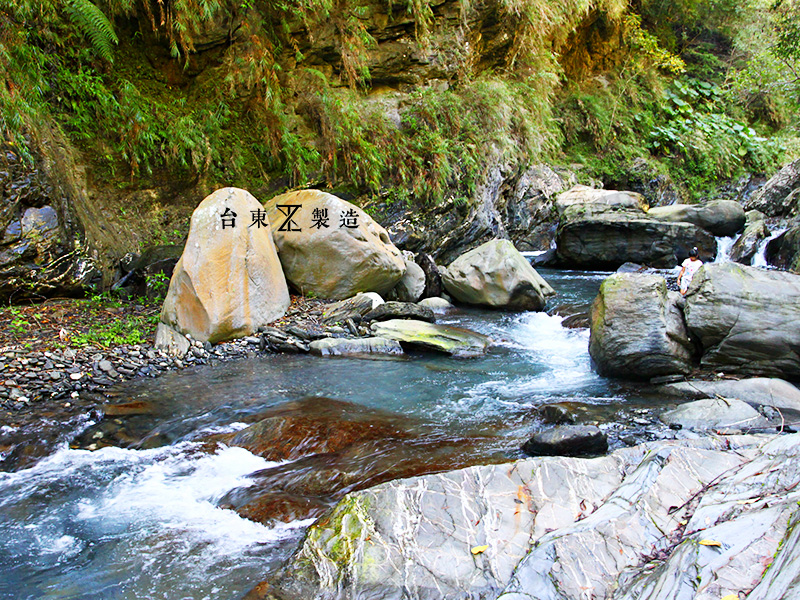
<point x="625" y="526"/>
<point x="495" y="274"/>
<point x="746" y="245"/>
<point x="436" y="304"/>
<point x="567" y="440"/>
<point x="746" y="319"/>
<point x="440" y="338"/>
<point x="637" y="330"/>
<point x="756" y="391"/>
<point x="714" y="413"/>
<point x="400" y="310"/>
<point x="773" y="199"/>
<point x="592" y="239"/>
<point x="351" y="308"/>
<point x="581" y="195"/>
<point x="171" y="341"/>
<point x="411" y="286"/>
<point x="718" y="217"/>
<point x="355" y="346"/>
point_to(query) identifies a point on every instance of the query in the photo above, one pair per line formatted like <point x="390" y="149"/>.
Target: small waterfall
<point x="760" y="258"/>
<point x="724" y="245"/>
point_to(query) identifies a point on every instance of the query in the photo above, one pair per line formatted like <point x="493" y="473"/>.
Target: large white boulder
<point x="228" y="282"/>
<point x="330" y="248"/>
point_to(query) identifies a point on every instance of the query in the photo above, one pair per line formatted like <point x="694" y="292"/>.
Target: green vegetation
<point x="224" y="91"/>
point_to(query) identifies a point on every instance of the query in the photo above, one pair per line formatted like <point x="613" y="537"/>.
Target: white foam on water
<point x="724" y="246"/>
<point x="760" y="257"/>
<point x="149" y="517"/>
<point x="559" y="362"/>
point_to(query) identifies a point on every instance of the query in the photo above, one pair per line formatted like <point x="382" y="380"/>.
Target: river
<point x="123" y="523"/>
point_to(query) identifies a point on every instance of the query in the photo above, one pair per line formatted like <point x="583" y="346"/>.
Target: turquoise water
<point x="123" y="523"/>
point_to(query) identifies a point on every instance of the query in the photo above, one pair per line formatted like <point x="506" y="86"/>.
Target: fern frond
<point x="95" y="26"/>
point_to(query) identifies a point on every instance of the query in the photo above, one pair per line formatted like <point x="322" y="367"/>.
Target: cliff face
<point x="368" y="98"/>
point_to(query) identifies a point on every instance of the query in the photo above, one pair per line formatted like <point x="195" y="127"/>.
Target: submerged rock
<point x="495" y="274"/>
<point x="747" y="319"/>
<point x="440" y="338"/>
<point x="228" y="281"/>
<point x="350" y="253"/>
<point x="637" y="330"/>
<point x="714" y="413"/>
<point x="661" y="520"/>
<point x="567" y="440"/>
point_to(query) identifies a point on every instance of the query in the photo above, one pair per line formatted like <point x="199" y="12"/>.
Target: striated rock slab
<point x="712" y="413"/>
<point x="355" y="346"/>
<point x="672" y="519"/>
<point x="756" y="391"/>
<point x="400" y="310"/>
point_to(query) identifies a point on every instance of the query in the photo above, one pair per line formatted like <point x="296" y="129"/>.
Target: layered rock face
<point x="776" y="197"/>
<point x="718" y="217"/>
<point x="604" y="237"/>
<point x="228" y="282"/>
<point x="687" y="519"/>
<point x="495" y="274"/>
<point x="637" y="329"/>
<point x="746" y="319"/>
<point x="331" y="248"/>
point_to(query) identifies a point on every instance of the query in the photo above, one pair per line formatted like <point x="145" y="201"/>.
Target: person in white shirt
<point x="688" y="268"/>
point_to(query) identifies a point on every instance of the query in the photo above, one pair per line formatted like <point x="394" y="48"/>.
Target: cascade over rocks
<point x="718" y="217"/>
<point x="746" y="319"/>
<point x="784" y="251"/>
<point x="495" y="274"/>
<point x="637" y="329"/>
<point x="628" y="525"/>
<point x="336" y="261"/>
<point x="746" y="245"/>
<point x="228" y="282"/>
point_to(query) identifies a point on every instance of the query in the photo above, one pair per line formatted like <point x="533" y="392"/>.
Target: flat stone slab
<point x="756" y="391"/>
<point x="713" y="413"/>
<point x="700" y="518"/>
<point x="355" y="346"/>
<point x="440" y="338"/>
<point x="400" y="310"/>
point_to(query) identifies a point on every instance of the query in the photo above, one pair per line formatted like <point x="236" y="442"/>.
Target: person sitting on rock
<point x="688" y="268"/>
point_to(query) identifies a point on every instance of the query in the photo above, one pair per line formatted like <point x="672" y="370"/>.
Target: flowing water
<point x="124" y="523"/>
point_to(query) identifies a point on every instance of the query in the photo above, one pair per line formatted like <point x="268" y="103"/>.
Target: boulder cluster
<point x="242" y="257"/>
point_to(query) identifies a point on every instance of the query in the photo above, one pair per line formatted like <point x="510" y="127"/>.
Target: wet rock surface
<point x="456" y="341"/>
<point x="400" y="310"/>
<point x="672" y="518"/>
<point x="567" y="440"/>
<point x="746" y="319"/>
<point x="637" y="330"/>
